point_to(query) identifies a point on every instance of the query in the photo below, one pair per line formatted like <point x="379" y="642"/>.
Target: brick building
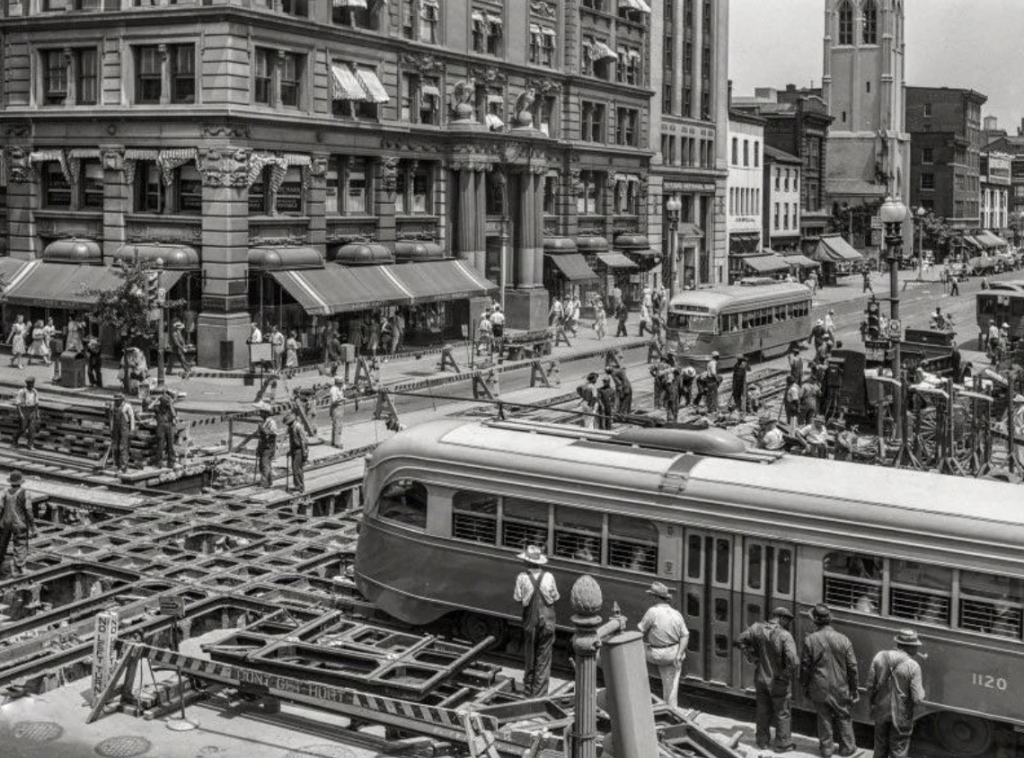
<point x="304" y="163"/>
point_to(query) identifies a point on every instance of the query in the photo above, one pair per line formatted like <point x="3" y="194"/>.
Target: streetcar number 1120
<point x="989" y="682"/>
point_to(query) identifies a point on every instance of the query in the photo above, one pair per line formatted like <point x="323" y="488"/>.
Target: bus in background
<point x="1002" y="302"/>
<point x="756" y="316"/>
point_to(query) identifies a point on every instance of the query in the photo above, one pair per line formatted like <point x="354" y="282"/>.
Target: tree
<point x="853" y="221"/>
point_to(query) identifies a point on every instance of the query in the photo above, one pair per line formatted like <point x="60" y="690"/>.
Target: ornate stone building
<point x="302" y="163"/>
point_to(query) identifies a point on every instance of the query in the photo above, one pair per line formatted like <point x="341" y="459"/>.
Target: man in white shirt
<point x="772" y="437"/>
<point x="537" y="594"/>
<point x="337" y="405"/>
<point x="815" y="437"/>
<point x="665" y="638"/>
<point x="498" y="324"/>
<point x="255" y="335"/>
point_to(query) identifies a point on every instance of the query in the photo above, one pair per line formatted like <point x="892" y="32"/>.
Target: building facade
<point x="1013" y="145"/>
<point x="305" y="163"/>
<point x="745" y="186"/>
<point x="996" y="181"/>
<point x="689" y="125"/>
<point x="782" y="192"/>
<point x="863" y="89"/>
<point x="945" y="125"/>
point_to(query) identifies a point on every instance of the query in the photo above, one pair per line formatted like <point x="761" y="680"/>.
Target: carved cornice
<point x="226" y="131"/>
<point x="423" y="63"/>
<point x="112" y="158"/>
<point x="224" y="168"/>
<point x="543" y="9"/>
<point x="19" y="170"/>
<point x="488" y="75"/>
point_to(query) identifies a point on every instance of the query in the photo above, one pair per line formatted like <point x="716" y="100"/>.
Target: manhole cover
<point x="37" y="731"/>
<point x="123" y="747"/>
<point x="321" y="751"/>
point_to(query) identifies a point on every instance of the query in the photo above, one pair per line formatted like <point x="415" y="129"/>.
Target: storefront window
<point x="92" y="185"/>
<point x="289" y="196"/>
<point x="190" y="190"/>
<point x="56" y="188"/>
<point x="349" y="187"/>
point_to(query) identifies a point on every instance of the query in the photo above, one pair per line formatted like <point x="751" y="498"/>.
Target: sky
<point x="969" y="44"/>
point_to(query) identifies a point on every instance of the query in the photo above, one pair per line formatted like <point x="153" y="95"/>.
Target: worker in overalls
<point x="537" y="593"/>
<point x="122" y="426"/>
<point x="266" y="444"/>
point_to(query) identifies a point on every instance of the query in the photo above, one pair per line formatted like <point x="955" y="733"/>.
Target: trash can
<point x="72" y="369"/>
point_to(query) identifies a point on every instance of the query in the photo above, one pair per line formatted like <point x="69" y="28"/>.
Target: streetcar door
<point x="768" y="583"/>
<point x="708" y="605"/>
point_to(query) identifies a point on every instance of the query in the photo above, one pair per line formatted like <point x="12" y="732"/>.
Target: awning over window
<point x="479" y="21"/>
<point x="181" y="257"/>
<point x="442" y="280"/>
<point x="573" y="266"/>
<point x="547" y="31"/>
<point x="973" y="242"/>
<point x="495" y="24"/>
<point x="835" y="249"/>
<point x="494" y="99"/>
<point x="375" y="92"/>
<point x="493" y="121"/>
<point x="616" y="260"/>
<point x="535" y="29"/>
<point x="430" y="90"/>
<point x="765" y="264"/>
<point x="345" y="85"/>
<point x="350" y="3"/>
<point x="73" y="251"/>
<point x="601" y="51"/>
<point x="802" y="261"/>
<point x="690" y="231"/>
<point x="63" y="285"/>
<point x="284" y="258"/>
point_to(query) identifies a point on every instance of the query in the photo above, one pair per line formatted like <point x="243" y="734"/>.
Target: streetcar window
<point x="632" y="544"/>
<point x="755" y="567"/>
<point x="695" y="557"/>
<point x="475" y="517"/>
<point x="722" y="556"/>
<point x="691" y="322"/>
<point x="991" y="604"/>
<point x="578" y="534"/>
<point x="853" y="581"/>
<point x="404" y="501"/>
<point x="986" y="304"/>
<point x="524" y="522"/>
<point x="783" y="571"/>
<point x="1017" y="307"/>
<point x="920" y="592"/>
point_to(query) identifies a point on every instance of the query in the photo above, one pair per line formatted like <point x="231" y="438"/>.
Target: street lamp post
<point x="893" y="214"/>
<point x="672" y="206"/>
<point x="919" y="219"/>
<point x="161" y="339"/>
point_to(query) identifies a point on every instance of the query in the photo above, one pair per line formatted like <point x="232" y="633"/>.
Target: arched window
<point x="846" y="24"/>
<point x="870" y="21"/>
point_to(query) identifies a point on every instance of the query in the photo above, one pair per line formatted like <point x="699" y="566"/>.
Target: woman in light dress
<point x="291" y="351"/>
<point x="40" y="347"/>
<point x="17" y="340"/>
<point x="74" y="343"/>
<point x="600" y="320"/>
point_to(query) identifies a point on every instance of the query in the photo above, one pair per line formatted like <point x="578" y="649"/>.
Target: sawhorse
<point x="561" y="336"/>
<point x="485" y="385"/>
<point x="545" y="377"/>
<point x="613" y="358"/>
<point x="385" y="406"/>
<point x="447" y="360"/>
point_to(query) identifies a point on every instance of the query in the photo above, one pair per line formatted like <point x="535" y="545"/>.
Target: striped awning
<point x="493" y="121"/>
<point x="601" y="51"/>
<point x="350" y="3"/>
<point x="479" y="21"/>
<point x="430" y="90"/>
<point x="345" y="84"/>
<point x="634" y="5"/>
<point x="375" y="92"/>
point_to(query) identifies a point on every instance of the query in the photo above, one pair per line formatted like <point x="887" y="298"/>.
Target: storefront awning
<point x="73" y="251"/>
<point x="13" y="269"/>
<point x="801" y="261"/>
<point x="973" y="242"/>
<point x="442" y="280"/>
<point x="990" y="240"/>
<point x="573" y="266"/>
<point x="616" y="260"/>
<point x="180" y="257"/>
<point x="345" y="85"/>
<point x="62" y="285"/>
<point x="836" y="250"/>
<point x="338" y="289"/>
<point x="765" y="264"/>
<point x="284" y="258"/>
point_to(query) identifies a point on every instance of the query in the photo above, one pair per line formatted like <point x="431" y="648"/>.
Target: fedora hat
<point x="908" y="638"/>
<point x="821" y="613"/>
<point x="534" y="555"/>
<point x="16" y="477"/>
<point x="659" y="590"/>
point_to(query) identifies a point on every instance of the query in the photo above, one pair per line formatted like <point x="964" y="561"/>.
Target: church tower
<point x="863" y="87"/>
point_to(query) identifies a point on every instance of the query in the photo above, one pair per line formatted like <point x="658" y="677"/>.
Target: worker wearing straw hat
<point x="537" y="594"/>
<point x="665" y="638"/>
<point x="895" y="690"/>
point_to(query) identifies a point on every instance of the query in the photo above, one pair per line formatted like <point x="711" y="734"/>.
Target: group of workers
<point x="826" y="669"/>
<point x="490" y="332"/>
<point x="674" y="386"/>
<point x="602" y="403"/>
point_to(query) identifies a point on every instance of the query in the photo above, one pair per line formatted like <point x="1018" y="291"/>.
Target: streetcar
<point x="1003" y="302"/>
<point x="757" y="316"/>
<point x="733" y="532"/>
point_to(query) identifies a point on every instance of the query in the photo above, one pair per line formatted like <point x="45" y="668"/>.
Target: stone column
<point x="223" y="323"/>
<point x="527" y="238"/>
<point x="316" y="199"/>
<point x="467" y="211"/>
<point x="22" y="200"/>
<point x="538" y="173"/>
<point x="387" y="225"/>
<point x="117" y="198"/>
<point x="479" y="219"/>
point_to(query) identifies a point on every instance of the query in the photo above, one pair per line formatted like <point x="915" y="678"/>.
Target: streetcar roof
<point x="735" y="296"/>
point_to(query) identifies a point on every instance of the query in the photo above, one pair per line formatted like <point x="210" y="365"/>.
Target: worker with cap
<point x="17" y="525"/>
<point x="828" y="675"/>
<point x="298" y="451"/>
<point x="180" y="350"/>
<point x="739" y="384"/>
<point x="770" y="647"/>
<point x="166" y="427"/>
<point x="895" y="691"/>
<point x="27" y="403"/>
<point x="815" y="437"/>
<point x="606" y="398"/>
<point x="536" y="593"/>
<point x="623" y="390"/>
<point x="122" y="426"/>
<point x="336" y="401"/>
<point x="266" y="444"/>
<point x="770" y="436"/>
<point x="665" y="638"/>
<point x="711" y="382"/>
<point x="587" y="392"/>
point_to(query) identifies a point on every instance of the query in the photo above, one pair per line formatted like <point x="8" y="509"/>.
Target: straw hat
<point x="659" y="590"/>
<point x="908" y="638"/>
<point x="534" y="555"/>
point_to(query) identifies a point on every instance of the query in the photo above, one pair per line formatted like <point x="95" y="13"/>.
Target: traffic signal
<point x="873" y="314"/>
<point x="152" y="289"/>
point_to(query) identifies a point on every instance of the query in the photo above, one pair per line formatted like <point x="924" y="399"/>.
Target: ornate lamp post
<point x="893" y="213"/>
<point x="672" y="207"/>
<point x="919" y="224"/>
<point x="161" y="337"/>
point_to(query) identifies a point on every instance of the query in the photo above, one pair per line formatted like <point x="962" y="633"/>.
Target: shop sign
<point x="688" y="187"/>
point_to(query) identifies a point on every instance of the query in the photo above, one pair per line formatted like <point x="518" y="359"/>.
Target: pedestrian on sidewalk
<point x="572" y="315"/>
<point x="485" y="335"/>
<point x="645" y="318"/>
<point x="812" y="282"/>
<point x="122" y="426"/>
<point x="555" y="313"/>
<point x="94" y="362"/>
<point x="291" y="351"/>
<point x="166" y="427"/>
<point x="298" y="451"/>
<point x="17" y="524"/>
<point x="397" y="332"/>
<point x="374" y="330"/>
<point x="277" y="348"/>
<point x="600" y="321"/>
<point x="266" y="444"/>
<point x="49" y="333"/>
<point x="255" y="335"/>
<point x="75" y="330"/>
<point x="27" y="403"/>
<point x="866" y="273"/>
<point x="828" y="674"/>
<point x="180" y="350"/>
<point x="665" y="637"/>
<point x="830" y="323"/>
<point x="17" y="340"/>
<point x="895" y="690"/>
<point x="498" y="327"/>
<point x="954" y="286"/>
<point x="772" y="650"/>
<point x="39" y="347"/>
<point x="621" y="316"/>
<point x="536" y="594"/>
<point x="337" y="406"/>
<point x="333" y="354"/>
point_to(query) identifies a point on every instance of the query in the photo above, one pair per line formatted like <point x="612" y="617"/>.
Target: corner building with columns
<point x="312" y="165"/>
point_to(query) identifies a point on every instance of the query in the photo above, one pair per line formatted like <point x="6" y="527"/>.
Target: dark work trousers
<point x="620" y="330"/>
<point x="165" y="444"/>
<point x="686" y="392"/>
<point x="774" y="710"/>
<point x="265" y="458"/>
<point x="298" y="461"/>
<point x="95" y="372"/>
<point x="538" y="642"/>
<point x="626" y="401"/>
<point x="182" y="360"/>
<point x="835" y="725"/>
<point x="737" y="398"/>
<point x="29" y="423"/>
<point x="119" y="436"/>
<point x="671" y="400"/>
<point x="954" y="291"/>
<point x="889" y="743"/>
<point x="17" y="539"/>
